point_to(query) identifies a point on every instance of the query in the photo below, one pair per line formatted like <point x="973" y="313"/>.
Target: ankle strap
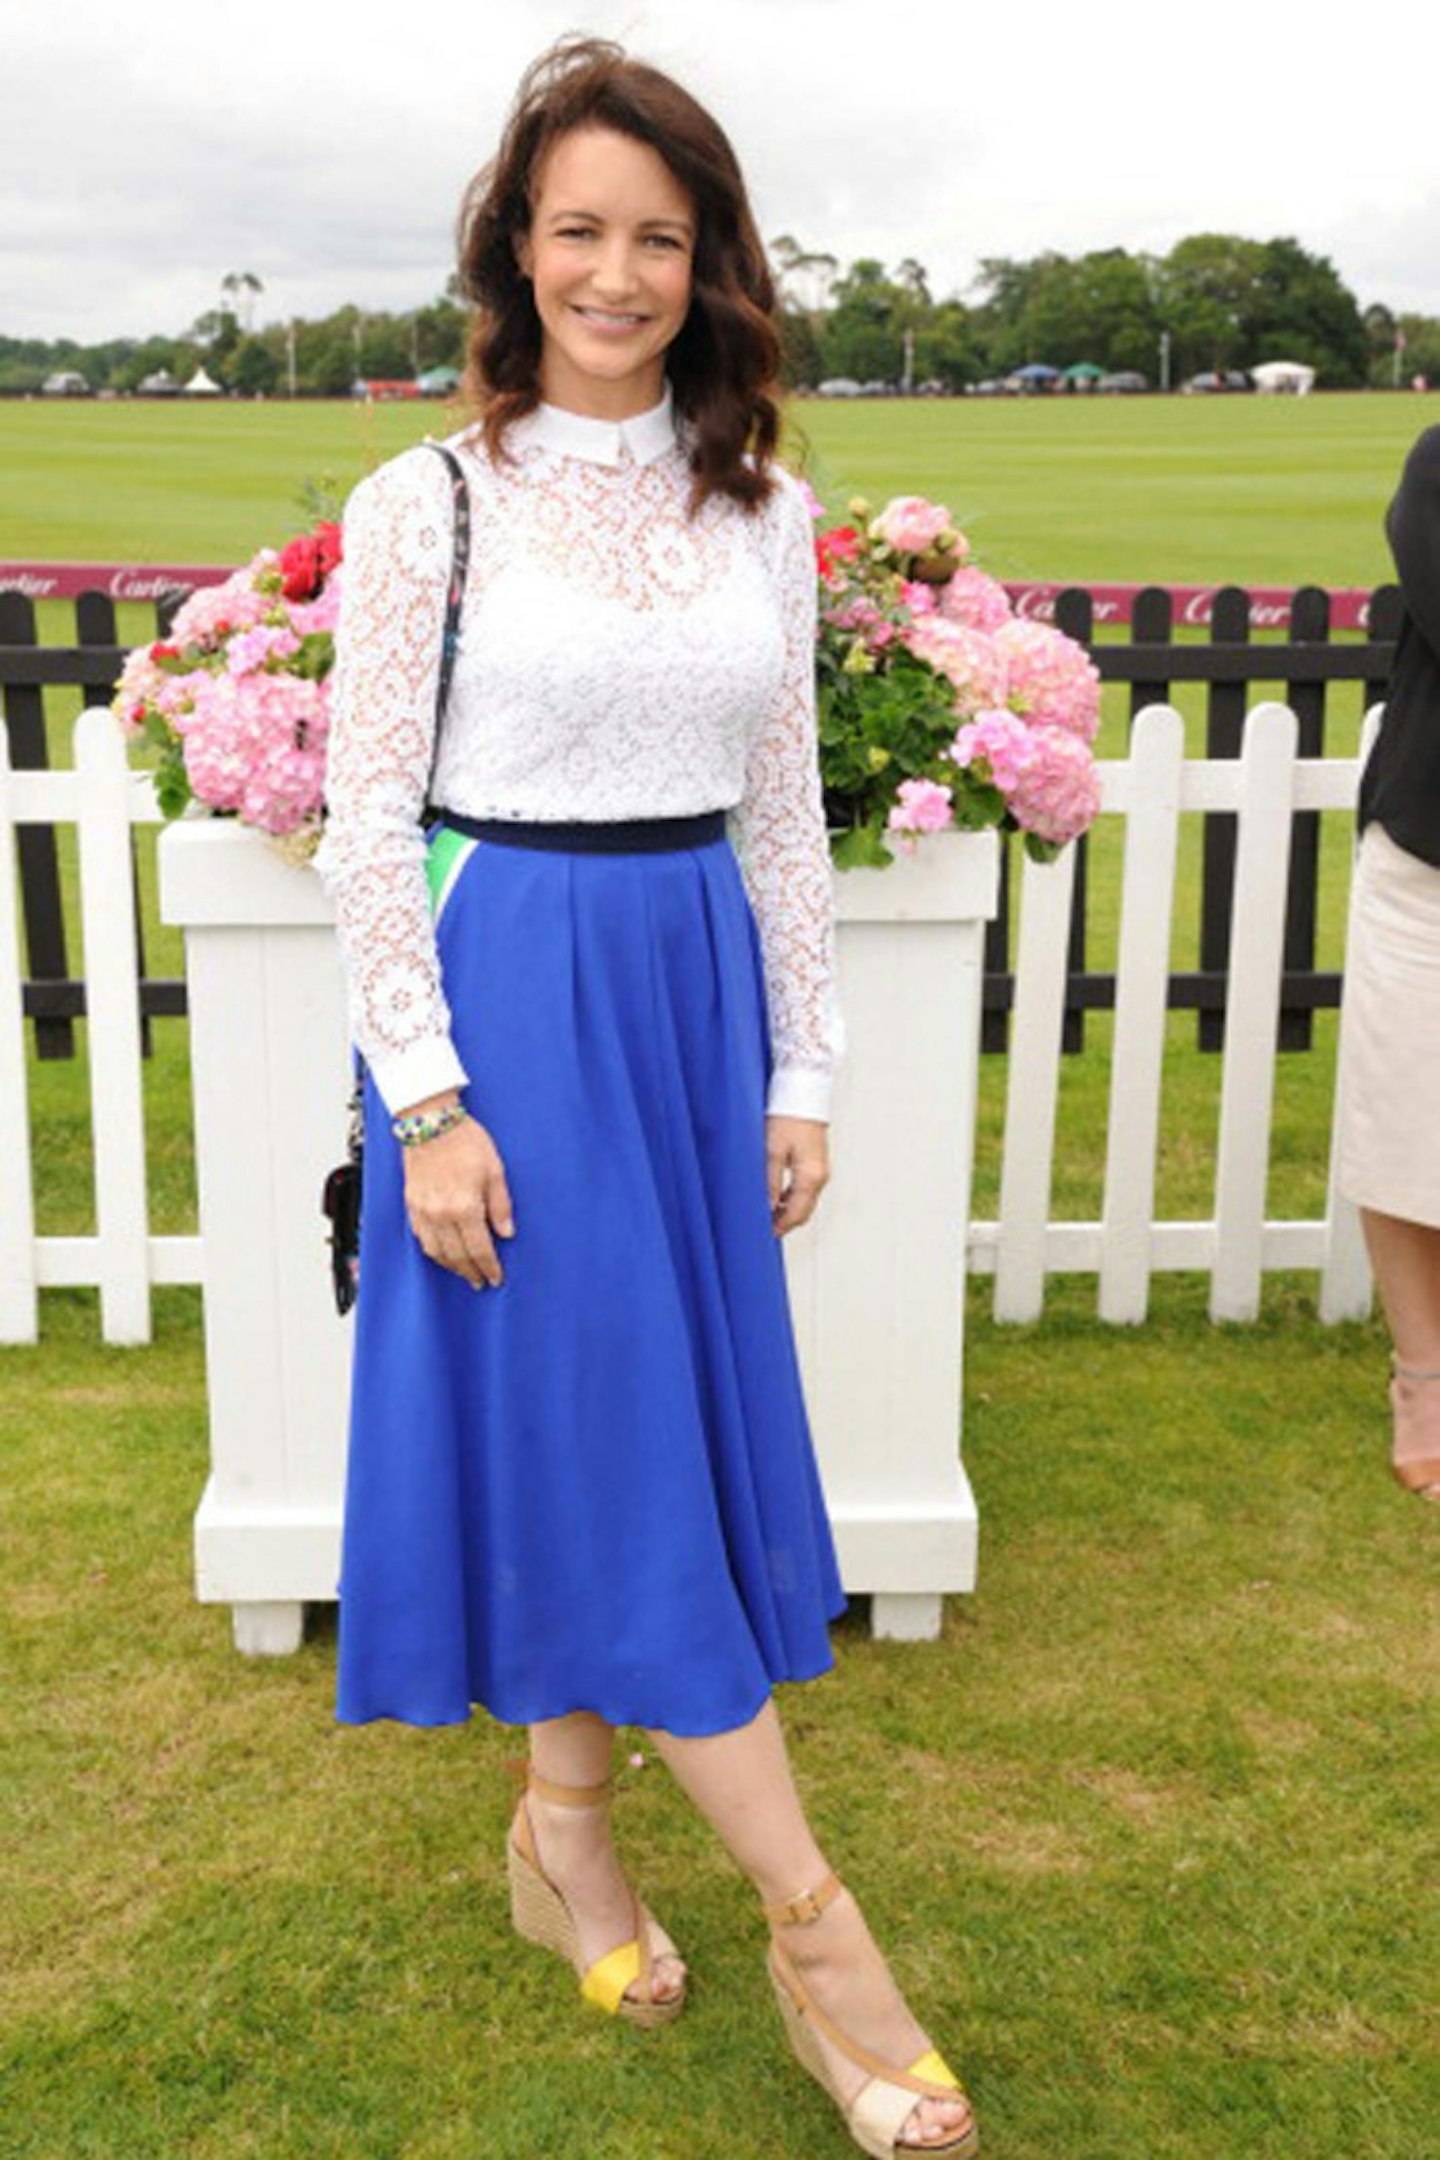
<point x="1413" y="1372"/>
<point x="800" y="1911"/>
<point x="550" y="1789"/>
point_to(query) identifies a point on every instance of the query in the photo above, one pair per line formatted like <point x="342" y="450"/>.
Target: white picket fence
<point x="1150" y="789"/>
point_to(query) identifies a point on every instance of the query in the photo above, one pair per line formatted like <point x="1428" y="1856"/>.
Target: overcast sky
<point x="148" y="150"/>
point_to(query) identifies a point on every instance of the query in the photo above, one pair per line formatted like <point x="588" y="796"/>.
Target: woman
<point x="1388" y="1136"/>
<point x="587" y="1496"/>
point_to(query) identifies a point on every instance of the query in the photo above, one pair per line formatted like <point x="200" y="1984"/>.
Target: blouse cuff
<point x="405" y="1077"/>
<point x="799" y="1091"/>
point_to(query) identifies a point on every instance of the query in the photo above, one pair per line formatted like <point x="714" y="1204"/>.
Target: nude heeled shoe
<point x="1415" y="1407"/>
<point x="878" y="2112"/>
<point x="542" y="1916"/>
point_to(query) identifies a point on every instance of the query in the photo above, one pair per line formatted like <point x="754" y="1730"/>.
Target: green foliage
<point x="321" y="498"/>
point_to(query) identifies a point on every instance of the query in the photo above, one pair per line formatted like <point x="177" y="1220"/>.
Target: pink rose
<point x="910" y="524"/>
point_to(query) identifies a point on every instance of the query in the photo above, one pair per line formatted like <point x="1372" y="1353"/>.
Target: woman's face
<point x="609" y="254"/>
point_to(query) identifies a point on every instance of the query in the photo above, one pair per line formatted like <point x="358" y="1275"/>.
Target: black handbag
<point x="340" y="1194"/>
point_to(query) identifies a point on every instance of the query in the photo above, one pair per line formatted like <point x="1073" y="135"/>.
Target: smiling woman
<point x="614" y="193"/>
<point x="597" y="1002"/>
<point x="608" y="256"/>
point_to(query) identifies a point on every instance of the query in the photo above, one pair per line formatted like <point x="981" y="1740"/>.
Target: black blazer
<point x="1400" y="787"/>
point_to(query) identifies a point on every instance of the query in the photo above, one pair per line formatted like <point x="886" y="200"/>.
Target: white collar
<point x="646" y="435"/>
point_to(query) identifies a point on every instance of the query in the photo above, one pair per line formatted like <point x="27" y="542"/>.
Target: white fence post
<point x="1032" y="1087"/>
<point x="1252" y="1009"/>
<point x="19" y="1303"/>
<point x="112" y="1006"/>
<point x="1142" y="968"/>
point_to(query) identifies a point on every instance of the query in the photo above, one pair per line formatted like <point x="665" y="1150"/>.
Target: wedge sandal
<point x="541" y="1915"/>
<point x="877" y="2113"/>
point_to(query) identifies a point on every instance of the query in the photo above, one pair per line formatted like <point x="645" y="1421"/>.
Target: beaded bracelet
<point x="422" y="1125"/>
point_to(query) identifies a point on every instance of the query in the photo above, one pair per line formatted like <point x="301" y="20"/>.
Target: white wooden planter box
<point x="876" y="1278"/>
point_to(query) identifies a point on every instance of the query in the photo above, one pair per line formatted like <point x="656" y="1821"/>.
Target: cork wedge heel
<point x="539" y="1912"/>
<point x="876" y="2114"/>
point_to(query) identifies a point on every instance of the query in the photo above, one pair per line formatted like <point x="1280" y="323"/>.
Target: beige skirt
<point x="1388" y="1083"/>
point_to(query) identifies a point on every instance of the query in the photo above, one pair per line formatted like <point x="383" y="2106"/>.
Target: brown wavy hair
<point x="724" y="363"/>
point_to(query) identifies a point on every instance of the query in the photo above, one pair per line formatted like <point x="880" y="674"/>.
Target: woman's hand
<point x="456" y="1195"/>
<point x="797" y="1155"/>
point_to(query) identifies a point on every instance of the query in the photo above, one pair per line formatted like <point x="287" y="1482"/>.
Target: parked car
<point x="839" y="386"/>
<point x="1210" y="380"/>
<point x="1123" y="383"/>
<point x="65" y="382"/>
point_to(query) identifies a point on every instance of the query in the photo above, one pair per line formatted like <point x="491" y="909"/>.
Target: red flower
<point x="300" y="568"/>
<point x="308" y="561"/>
<point x="327" y="539"/>
<point x="162" y="651"/>
<point x="840" y="545"/>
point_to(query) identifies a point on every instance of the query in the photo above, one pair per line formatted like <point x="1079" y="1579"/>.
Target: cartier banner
<point x="1269" y="605"/>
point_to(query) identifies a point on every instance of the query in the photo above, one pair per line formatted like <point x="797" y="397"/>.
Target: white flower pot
<point x="876" y="1278"/>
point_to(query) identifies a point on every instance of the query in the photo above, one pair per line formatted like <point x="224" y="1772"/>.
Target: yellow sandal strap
<point x="611" y="1975"/>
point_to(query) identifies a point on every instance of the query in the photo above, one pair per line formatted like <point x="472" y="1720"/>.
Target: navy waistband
<point x="614" y="836"/>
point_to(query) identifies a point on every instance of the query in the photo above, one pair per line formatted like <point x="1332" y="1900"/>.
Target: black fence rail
<point x="51" y="997"/>
<point x="1306" y="664"/>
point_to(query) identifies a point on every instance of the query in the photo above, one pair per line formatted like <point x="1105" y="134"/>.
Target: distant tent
<point x="160" y="383"/>
<point x="1291" y="375"/>
<point x="200" y="385"/>
<point x="1084" y="371"/>
<point x="438" y="381"/>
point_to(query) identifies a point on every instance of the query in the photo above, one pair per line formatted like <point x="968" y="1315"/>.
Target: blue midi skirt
<point x="593" y="1487"/>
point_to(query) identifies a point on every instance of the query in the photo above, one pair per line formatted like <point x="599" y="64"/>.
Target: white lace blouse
<point x="616" y="659"/>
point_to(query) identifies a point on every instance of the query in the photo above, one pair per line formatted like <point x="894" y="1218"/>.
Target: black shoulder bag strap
<point x="341" y="1198"/>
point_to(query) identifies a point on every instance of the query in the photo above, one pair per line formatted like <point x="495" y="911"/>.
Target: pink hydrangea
<point x="918" y="597"/>
<point x="864" y="618"/>
<point x="215" y="610"/>
<point x="1050" y="679"/>
<point x="256" y="744"/>
<point x="321" y="613"/>
<point x="250" y="649"/>
<point x="921" y="806"/>
<point x="1046" y="774"/>
<point x="966" y="657"/>
<point x="911" y="525"/>
<point x="977" y="601"/>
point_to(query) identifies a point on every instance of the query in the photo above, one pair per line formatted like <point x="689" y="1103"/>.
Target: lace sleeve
<point x="778" y="830"/>
<point x="371" y="858"/>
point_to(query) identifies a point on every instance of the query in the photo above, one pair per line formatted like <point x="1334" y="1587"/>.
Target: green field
<point x="1150" y="490"/>
<point x="1149" y="1834"/>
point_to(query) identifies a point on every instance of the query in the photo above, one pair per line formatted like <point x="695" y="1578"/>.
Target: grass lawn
<point x="1149" y="1833"/>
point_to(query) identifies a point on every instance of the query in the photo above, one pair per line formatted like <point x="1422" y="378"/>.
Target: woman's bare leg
<point x="1406" y="1259"/>
<point x="575" y="1846"/>
<point x="741" y="1782"/>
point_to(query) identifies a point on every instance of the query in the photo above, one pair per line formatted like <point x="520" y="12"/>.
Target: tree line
<point x="1215" y="301"/>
